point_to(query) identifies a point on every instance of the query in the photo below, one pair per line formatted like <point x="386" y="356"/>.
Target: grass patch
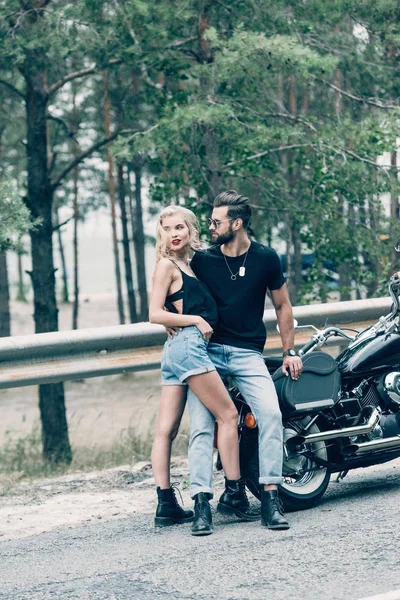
<point x="22" y="458"/>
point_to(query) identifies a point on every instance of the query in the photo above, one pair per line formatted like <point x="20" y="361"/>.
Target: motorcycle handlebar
<point x="307" y="347"/>
<point x="321" y="337"/>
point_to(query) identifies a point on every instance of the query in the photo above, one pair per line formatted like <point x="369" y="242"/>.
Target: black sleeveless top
<point x="197" y="300"/>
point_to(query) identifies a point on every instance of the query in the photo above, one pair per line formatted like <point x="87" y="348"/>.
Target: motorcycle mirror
<point x="295" y="324"/>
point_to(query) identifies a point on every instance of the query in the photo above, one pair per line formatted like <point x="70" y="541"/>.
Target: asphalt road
<point x="346" y="548"/>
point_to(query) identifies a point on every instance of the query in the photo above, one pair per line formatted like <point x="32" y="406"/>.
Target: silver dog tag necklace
<point x="242" y="269"/>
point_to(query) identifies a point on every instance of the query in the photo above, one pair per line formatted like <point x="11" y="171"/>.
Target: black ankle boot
<point x="272" y="515"/>
<point x="202" y="524"/>
<point x="234" y="500"/>
<point x="169" y="511"/>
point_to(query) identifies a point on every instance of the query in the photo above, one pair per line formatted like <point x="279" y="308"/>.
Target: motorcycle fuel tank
<point x="371" y="355"/>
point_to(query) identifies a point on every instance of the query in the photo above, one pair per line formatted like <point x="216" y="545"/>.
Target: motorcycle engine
<point x="389" y="389"/>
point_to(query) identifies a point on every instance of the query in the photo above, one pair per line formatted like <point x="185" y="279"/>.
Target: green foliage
<point x="15" y="219"/>
<point x="250" y="53"/>
<point x="245" y="96"/>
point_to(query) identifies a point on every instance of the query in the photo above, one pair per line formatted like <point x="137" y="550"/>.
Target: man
<point x="238" y="273"/>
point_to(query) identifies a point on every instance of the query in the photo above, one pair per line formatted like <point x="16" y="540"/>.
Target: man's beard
<point x="225" y="238"/>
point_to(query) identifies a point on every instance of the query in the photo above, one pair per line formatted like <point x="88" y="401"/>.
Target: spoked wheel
<point x="304" y="480"/>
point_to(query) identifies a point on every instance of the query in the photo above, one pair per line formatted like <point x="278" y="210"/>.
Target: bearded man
<point x="238" y="273"/>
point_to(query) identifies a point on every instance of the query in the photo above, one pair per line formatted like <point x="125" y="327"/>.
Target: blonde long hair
<point x="162" y="250"/>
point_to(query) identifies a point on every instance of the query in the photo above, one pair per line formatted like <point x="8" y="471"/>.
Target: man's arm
<point x="284" y="314"/>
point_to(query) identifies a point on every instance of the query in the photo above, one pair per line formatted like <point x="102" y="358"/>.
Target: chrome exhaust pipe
<point x="331" y="434"/>
<point x="371" y="446"/>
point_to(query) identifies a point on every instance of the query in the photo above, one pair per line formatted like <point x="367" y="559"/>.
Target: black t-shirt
<point x="240" y="302"/>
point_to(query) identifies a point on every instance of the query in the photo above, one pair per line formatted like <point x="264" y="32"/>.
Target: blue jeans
<point x="249" y="374"/>
<point x="183" y="356"/>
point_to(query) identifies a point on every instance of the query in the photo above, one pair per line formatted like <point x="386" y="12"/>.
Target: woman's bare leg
<point x="210" y="390"/>
<point x="172" y="405"/>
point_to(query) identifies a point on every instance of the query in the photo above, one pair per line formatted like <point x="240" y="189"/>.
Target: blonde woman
<point x="180" y="300"/>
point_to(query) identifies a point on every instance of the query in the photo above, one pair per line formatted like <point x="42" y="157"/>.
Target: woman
<point x="185" y="361"/>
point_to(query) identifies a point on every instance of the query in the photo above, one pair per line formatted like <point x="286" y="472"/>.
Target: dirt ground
<point x="31" y="508"/>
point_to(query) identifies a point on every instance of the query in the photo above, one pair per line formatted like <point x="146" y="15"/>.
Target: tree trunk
<point x="373" y="266"/>
<point x="111" y="189"/>
<point x="255" y="218"/>
<point x="64" y="274"/>
<point x="75" y="309"/>
<point x="295" y="223"/>
<point x="21" y="295"/>
<point x="297" y="262"/>
<point x="214" y="177"/>
<point x="125" y="245"/>
<point x="285" y="192"/>
<point x="5" y="318"/>
<point x="136" y="209"/>
<point x="39" y="200"/>
<point x="352" y="227"/>
<point x="75" y="243"/>
<point x="207" y="88"/>
<point x="289" y="260"/>
<point x="139" y="241"/>
<point x="394" y="213"/>
<point x="344" y="269"/>
<point x="338" y="95"/>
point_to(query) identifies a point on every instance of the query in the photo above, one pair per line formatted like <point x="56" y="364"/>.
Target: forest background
<point x="136" y="104"/>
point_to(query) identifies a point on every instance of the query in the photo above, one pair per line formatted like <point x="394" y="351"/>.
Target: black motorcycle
<point x="341" y="414"/>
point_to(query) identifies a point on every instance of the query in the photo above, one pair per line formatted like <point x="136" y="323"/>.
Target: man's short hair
<point x="238" y="206"/>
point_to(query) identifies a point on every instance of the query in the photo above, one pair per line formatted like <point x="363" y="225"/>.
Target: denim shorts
<point x="183" y="356"/>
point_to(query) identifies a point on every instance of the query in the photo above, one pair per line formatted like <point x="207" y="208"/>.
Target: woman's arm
<point x="162" y="279"/>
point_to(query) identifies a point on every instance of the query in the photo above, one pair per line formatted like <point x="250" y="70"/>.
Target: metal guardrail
<point x="67" y="355"/>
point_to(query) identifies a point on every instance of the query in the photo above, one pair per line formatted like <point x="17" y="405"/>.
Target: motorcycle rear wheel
<point x="304" y="482"/>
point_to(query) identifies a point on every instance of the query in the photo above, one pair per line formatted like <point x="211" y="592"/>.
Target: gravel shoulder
<point x="80" y="499"/>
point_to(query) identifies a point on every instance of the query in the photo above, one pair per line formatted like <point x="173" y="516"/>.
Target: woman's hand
<point x="172" y="331"/>
<point x="205" y="328"/>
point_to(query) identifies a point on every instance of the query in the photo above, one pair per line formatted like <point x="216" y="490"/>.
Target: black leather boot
<point x="272" y="515"/>
<point x="234" y="500"/>
<point x="202" y="524"/>
<point x="169" y="511"/>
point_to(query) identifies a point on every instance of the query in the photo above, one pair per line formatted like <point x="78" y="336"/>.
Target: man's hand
<point x="293" y="366"/>
<point x="171" y="331"/>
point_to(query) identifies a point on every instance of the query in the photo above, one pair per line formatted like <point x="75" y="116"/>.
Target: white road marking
<point x="394" y="595"/>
